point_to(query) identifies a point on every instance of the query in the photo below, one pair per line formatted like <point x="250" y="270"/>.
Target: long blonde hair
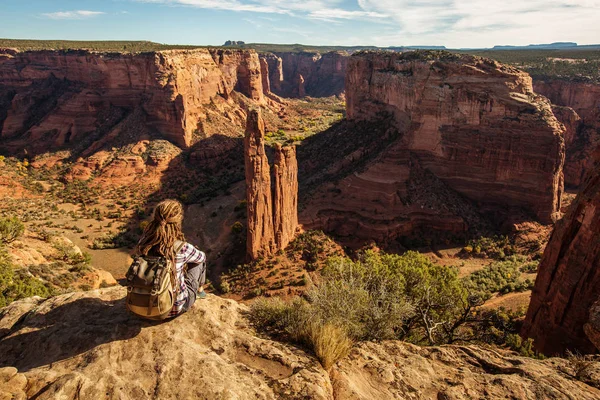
<point x="164" y="229"/>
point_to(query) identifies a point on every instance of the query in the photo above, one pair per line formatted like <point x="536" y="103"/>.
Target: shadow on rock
<point x="42" y="337"/>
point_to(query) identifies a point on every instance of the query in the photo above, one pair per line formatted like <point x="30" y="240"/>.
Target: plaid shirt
<point x="187" y="255"/>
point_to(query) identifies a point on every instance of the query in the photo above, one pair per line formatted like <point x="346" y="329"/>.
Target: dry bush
<point x="329" y="343"/>
<point x="296" y="321"/>
<point x="581" y="365"/>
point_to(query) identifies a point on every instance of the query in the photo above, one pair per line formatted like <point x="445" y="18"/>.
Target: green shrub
<point x="10" y="229"/>
<point x="18" y="284"/>
<point x="237" y="228"/>
<point x="496" y="247"/>
<point x="224" y="287"/>
<point x="499" y="277"/>
<point x="311" y="245"/>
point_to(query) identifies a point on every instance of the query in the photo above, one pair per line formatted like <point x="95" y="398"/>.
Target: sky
<point x="450" y="23"/>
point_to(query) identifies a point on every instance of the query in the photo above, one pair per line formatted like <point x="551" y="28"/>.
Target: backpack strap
<point x="178" y="246"/>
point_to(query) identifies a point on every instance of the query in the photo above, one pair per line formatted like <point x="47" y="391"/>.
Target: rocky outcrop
<point x="272" y="215"/>
<point x="568" y="280"/>
<point x="474" y="123"/>
<point x="57" y="98"/>
<point x="275" y="68"/>
<point x="86" y="345"/>
<point x="307" y="73"/>
<point x="440" y="140"/>
<point x="264" y="75"/>
<point x="285" y="195"/>
<point x="584" y="99"/>
<point x="394" y="370"/>
<point x="260" y="240"/>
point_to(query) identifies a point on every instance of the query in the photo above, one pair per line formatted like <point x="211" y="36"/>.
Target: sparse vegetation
<point x="582" y="366"/>
<point x="10" y="229"/>
<point x="18" y="284"/>
<point x="496" y="247"/>
<point x="499" y="277"/>
<point x="385" y="296"/>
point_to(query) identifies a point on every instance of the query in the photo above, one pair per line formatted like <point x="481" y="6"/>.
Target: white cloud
<point x="337" y="13"/>
<point x="313" y="9"/>
<point x="453" y="23"/>
<point x="479" y="23"/>
<point x="78" y="14"/>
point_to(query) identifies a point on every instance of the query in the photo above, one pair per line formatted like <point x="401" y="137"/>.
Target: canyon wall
<point x="468" y="128"/>
<point x="272" y="214"/>
<point x="584" y="99"/>
<point x="53" y="98"/>
<point x="306" y="74"/>
<point x="568" y="280"/>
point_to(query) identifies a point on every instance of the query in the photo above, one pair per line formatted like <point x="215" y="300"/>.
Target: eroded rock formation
<point x="272" y="214"/>
<point x="568" y="280"/>
<point x="55" y="98"/>
<point x="307" y="73"/>
<point x="86" y="345"/>
<point x="285" y="195"/>
<point x="261" y="235"/>
<point x="584" y="99"/>
<point x="464" y="124"/>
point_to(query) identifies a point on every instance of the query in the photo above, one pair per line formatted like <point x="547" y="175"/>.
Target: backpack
<point x="152" y="286"/>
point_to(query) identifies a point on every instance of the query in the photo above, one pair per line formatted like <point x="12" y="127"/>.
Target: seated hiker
<point x="156" y="290"/>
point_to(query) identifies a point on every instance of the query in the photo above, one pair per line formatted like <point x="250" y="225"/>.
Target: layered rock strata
<point x="285" y="195"/>
<point x="471" y="123"/>
<point x="261" y="235"/>
<point x="584" y="99"/>
<point x="306" y="73"/>
<point x="56" y="98"/>
<point x="86" y="346"/>
<point x="568" y="280"/>
<point x="272" y="213"/>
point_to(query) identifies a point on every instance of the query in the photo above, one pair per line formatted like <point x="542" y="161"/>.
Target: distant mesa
<point x="556" y="45"/>
<point x="234" y="43"/>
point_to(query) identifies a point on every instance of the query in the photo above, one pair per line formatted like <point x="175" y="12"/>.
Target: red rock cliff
<point x="261" y="236"/>
<point x="272" y="215"/>
<point x="285" y="196"/>
<point x="307" y="74"/>
<point x="584" y="99"/>
<point x="568" y="280"/>
<point x="51" y="98"/>
<point x="474" y="123"/>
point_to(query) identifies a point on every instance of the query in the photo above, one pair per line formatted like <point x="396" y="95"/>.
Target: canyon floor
<point x="104" y="214"/>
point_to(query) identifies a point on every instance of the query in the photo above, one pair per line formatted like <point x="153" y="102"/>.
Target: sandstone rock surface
<point x="285" y="195"/>
<point x="55" y="98"/>
<point x="261" y="235"/>
<point x="306" y="73"/>
<point x="396" y="370"/>
<point x="568" y="280"/>
<point x="439" y="131"/>
<point x="86" y="345"/>
<point x="473" y="122"/>
<point x="272" y="214"/>
<point x="584" y="99"/>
